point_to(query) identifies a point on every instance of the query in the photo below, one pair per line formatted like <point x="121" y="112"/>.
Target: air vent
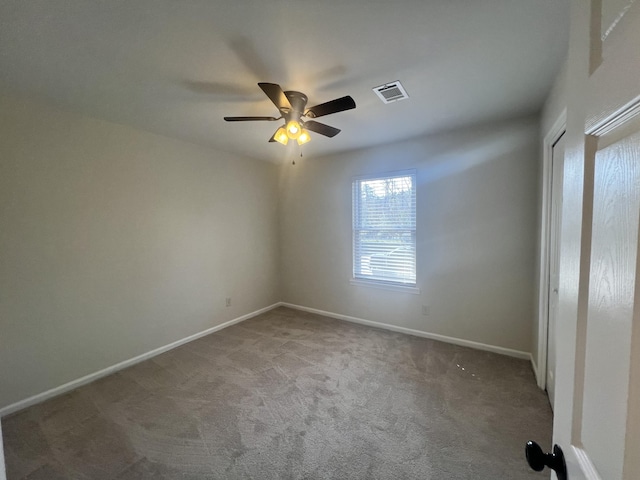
<point x="391" y="92"/>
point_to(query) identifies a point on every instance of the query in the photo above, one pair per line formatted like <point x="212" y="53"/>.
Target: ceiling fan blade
<point x="334" y="106"/>
<point x="249" y="119"/>
<point x="273" y="137"/>
<point x="321" y="128"/>
<point x="276" y="95"/>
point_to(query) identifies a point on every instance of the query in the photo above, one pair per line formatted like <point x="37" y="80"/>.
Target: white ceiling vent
<point x="391" y="92"/>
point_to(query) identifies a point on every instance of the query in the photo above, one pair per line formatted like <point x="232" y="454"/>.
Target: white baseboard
<point x="418" y="333"/>
<point x="40" y="397"/>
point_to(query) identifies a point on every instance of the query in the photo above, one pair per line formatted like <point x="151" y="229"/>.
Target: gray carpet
<point x="291" y="395"/>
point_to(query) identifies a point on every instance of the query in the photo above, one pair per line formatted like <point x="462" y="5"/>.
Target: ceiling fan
<point x="291" y="105"/>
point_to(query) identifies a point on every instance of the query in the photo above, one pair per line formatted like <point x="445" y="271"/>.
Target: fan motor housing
<point x="298" y="101"/>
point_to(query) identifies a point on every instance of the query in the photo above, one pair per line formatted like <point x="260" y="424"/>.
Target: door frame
<point x="3" y="475"/>
<point x="552" y="136"/>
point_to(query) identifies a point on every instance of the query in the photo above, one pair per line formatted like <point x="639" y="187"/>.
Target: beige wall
<point x="477" y="204"/>
<point x="114" y="242"/>
<point x="556" y="101"/>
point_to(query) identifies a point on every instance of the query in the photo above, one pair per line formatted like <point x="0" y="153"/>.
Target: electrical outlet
<point x="228" y="301"/>
<point x="425" y="310"/>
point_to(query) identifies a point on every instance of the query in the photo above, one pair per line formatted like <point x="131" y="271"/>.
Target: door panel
<point x="616" y="211"/>
<point x="597" y="396"/>
<point x="612" y="12"/>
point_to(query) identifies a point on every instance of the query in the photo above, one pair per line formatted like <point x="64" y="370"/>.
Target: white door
<point x="597" y="394"/>
<point x="557" y="162"/>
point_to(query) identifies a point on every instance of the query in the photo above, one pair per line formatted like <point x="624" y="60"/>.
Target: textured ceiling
<point x="177" y="67"/>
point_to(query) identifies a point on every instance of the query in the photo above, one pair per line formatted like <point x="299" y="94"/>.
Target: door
<point x="557" y="162"/>
<point x="597" y="394"/>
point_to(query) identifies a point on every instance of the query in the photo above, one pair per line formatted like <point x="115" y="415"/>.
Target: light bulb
<point x="293" y="129"/>
<point x="304" y="137"/>
<point x="281" y="136"/>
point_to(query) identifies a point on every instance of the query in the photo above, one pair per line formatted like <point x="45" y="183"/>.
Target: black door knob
<point x="537" y="459"/>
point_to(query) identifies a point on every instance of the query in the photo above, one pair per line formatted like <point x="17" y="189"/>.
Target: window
<point x="384" y="229"/>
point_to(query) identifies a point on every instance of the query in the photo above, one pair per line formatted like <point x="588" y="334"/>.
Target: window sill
<point x="385" y="286"/>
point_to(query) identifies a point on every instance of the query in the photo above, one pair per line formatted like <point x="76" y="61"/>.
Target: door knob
<point x="537" y="459"/>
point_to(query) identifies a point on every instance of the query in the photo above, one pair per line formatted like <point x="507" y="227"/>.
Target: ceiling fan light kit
<point x="303" y="138"/>
<point x="293" y="129"/>
<point x="291" y="105"/>
<point x="281" y="136"/>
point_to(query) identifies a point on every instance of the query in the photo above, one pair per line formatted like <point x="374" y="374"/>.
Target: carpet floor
<point x="291" y="395"/>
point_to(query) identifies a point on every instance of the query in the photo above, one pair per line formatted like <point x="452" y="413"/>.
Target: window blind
<point x="384" y="228"/>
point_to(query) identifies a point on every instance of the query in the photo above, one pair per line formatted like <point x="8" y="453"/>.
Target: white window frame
<point x="359" y="275"/>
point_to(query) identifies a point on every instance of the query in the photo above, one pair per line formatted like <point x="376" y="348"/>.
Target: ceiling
<point x="177" y="67"/>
